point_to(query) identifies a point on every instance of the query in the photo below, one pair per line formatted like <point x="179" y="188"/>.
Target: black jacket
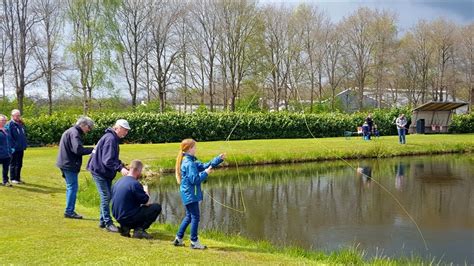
<point x="18" y="135"/>
<point x="71" y="150"/>
<point x="104" y="161"/>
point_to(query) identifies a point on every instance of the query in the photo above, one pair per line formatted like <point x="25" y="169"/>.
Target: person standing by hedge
<point x="370" y="123"/>
<point x="69" y="161"/>
<point x="19" y="144"/>
<point x="5" y="150"/>
<point x="401" y="123"/>
<point x="104" y="164"/>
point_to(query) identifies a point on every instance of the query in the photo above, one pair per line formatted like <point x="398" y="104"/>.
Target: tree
<point x="359" y="34"/>
<point x="92" y="27"/>
<point x="50" y="15"/>
<point x="19" y="22"/>
<point x="466" y="51"/>
<point x="4" y="48"/>
<point x="237" y="24"/>
<point x="165" y="52"/>
<point x="133" y="18"/>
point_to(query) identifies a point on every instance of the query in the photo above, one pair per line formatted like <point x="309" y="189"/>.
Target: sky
<point x="408" y="11"/>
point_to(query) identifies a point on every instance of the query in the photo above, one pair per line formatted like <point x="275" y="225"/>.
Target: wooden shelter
<point x="433" y="117"/>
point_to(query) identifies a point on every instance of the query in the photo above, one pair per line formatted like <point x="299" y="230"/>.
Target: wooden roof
<point x="439" y="106"/>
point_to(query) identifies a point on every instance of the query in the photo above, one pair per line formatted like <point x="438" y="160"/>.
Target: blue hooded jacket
<point x="192" y="175"/>
<point x="18" y="135"/>
<point x="5" y="144"/>
<point x="104" y="160"/>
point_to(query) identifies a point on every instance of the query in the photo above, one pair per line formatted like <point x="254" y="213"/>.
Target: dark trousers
<point x="5" y="163"/>
<point x="145" y="216"/>
<point x="15" y="165"/>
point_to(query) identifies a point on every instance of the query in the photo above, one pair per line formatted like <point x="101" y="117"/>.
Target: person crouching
<point x="131" y="205"/>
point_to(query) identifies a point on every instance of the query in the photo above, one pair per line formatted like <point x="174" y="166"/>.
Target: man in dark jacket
<point x="104" y="164"/>
<point x="130" y="204"/>
<point x="69" y="161"/>
<point x="18" y="136"/>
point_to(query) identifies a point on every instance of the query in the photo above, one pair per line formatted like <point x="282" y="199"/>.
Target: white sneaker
<point x="197" y="245"/>
<point x="178" y="242"/>
<point x="16" y="182"/>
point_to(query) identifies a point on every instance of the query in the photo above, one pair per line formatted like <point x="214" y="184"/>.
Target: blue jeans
<point x="192" y="217"/>
<point x="71" y="190"/>
<point x="104" y="186"/>
<point x="401" y="135"/>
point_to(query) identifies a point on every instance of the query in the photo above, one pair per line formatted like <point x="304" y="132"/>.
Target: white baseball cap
<point x="123" y="123"/>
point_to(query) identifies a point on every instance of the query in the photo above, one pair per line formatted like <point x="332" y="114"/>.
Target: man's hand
<point x="209" y="170"/>
<point x="124" y="171"/>
<point x="222" y="156"/>
<point x="145" y="188"/>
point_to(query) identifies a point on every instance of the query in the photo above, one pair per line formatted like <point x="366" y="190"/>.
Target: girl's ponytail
<point x="179" y="159"/>
<point x="186" y="144"/>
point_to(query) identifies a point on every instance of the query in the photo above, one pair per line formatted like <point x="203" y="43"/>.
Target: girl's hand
<point x="209" y="170"/>
<point x="222" y="156"/>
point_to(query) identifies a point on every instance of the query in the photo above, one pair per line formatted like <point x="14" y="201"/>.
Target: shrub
<point x="462" y="124"/>
<point x="207" y="126"/>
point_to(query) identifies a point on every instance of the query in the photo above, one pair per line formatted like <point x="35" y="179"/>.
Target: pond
<point x="331" y="205"/>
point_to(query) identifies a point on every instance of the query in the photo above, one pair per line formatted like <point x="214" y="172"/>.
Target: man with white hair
<point x="18" y="135"/>
<point x="104" y="164"/>
<point x="69" y="161"/>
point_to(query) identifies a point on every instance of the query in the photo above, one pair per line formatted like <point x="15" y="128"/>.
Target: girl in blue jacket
<point x="190" y="173"/>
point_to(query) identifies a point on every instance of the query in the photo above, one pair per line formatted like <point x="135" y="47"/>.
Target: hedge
<point x="173" y="127"/>
<point x="462" y="124"/>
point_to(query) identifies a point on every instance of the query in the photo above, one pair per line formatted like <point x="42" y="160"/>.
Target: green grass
<point x="33" y="230"/>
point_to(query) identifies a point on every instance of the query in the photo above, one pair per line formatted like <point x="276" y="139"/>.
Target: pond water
<point x="331" y="205"/>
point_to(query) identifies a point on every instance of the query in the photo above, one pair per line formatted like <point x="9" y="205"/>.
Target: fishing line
<point x="227" y="141"/>
<point x="346" y="162"/>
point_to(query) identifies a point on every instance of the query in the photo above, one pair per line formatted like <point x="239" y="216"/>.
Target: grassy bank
<point x="253" y="152"/>
<point x="33" y="230"/>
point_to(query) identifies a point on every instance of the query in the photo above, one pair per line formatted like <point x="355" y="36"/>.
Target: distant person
<point x="130" y="204"/>
<point x="370" y="122"/>
<point x="401" y="123"/>
<point x="69" y="161"/>
<point x="19" y="144"/>
<point x="366" y="131"/>
<point x="190" y="173"/>
<point x="104" y="164"/>
<point x="376" y="131"/>
<point x="5" y="150"/>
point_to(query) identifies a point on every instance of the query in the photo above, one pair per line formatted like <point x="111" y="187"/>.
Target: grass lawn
<point x="33" y="229"/>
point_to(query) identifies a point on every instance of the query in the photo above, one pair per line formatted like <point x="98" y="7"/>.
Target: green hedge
<point x="462" y="124"/>
<point x="173" y="127"/>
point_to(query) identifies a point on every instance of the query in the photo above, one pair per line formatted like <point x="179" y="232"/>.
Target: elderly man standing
<point x="18" y="135"/>
<point x="69" y="161"/>
<point x="104" y="164"/>
<point x="131" y="206"/>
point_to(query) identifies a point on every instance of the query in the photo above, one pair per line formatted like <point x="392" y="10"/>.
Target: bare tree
<point x="333" y="60"/>
<point x="165" y="51"/>
<point x="133" y="18"/>
<point x="443" y="38"/>
<point x="50" y="14"/>
<point x="359" y="29"/>
<point x="277" y="49"/>
<point x="467" y="60"/>
<point x="19" y="22"/>
<point x="385" y="44"/>
<point x="238" y="24"/>
<point x="4" y="48"/>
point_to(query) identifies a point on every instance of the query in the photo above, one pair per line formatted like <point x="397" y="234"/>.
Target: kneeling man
<point x="130" y="204"/>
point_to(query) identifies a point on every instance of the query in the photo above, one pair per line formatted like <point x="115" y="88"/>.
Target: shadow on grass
<point x="237" y="249"/>
<point x="39" y="188"/>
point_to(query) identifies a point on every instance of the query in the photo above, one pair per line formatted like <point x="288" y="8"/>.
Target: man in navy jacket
<point x="18" y="136"/>
<point x="131" y="206"/>
<point x="69" y="161"/>
<point x="104" y="164"/>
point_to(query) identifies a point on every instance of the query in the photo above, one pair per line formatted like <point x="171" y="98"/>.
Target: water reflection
<point x="328" y="206"/>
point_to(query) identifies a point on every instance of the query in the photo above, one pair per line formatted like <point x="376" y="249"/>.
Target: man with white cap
<point x="104" y="164"/>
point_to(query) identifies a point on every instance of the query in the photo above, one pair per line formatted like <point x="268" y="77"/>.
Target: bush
<point x="206" y="126"/>
<point x="462" y="124"/>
